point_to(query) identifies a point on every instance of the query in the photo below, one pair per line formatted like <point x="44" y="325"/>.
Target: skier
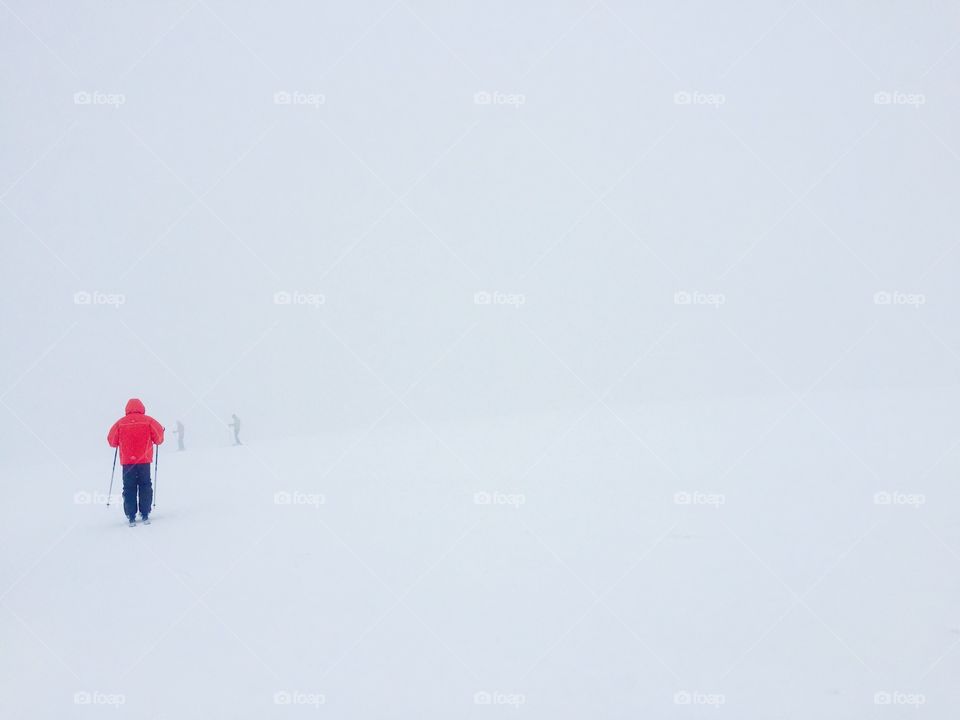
<point x="236" y="429"/>
<point x="135" y="434"/>
<point x="179" y="433"/>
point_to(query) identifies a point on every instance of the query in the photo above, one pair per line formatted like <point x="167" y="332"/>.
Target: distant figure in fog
<point x="236" y="429"/>
<point x="179" y="433"/>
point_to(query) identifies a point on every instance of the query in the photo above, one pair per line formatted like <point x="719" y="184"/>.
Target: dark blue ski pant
<point x="136" y="480"/>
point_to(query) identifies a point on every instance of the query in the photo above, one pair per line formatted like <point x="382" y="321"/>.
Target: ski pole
<point x="156" y="465"/>
<point x="110" y="491"/>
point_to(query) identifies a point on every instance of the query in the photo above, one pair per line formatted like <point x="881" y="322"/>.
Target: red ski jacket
<point x="136" y="435"/>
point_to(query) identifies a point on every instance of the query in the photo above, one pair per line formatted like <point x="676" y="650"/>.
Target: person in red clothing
<point x="135" y="434"/>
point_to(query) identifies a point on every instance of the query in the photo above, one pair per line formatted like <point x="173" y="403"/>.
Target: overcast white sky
<point x="628" y="152"/>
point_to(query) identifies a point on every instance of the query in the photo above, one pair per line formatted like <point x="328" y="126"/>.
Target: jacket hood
<point x="135" y="406"/>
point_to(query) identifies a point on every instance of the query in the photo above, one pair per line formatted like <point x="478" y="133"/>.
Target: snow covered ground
<point x="415" y="572"/>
